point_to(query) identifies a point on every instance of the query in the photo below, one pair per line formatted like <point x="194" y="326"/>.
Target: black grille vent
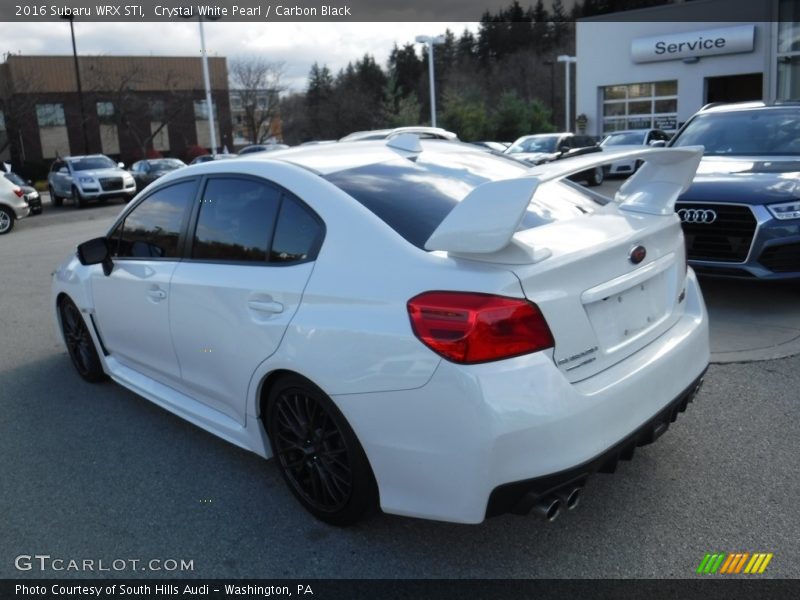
<point x="727" y="239"/>
<point x="111" y="183"/>
<point x="781" y="259"/>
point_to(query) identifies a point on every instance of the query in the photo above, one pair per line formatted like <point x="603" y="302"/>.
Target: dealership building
<point x="662" y="64"/>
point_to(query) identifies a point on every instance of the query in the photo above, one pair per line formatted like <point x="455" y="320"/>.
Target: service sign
<point x="709" y="42"/>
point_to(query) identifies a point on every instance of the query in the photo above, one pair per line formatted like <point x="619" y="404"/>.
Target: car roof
<point x="326" y="159"/>
<point x="718" y="107"/>
<point x="80" y="156"/>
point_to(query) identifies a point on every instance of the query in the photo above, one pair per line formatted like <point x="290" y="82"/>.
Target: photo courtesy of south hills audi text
<point x="155" y="590"/>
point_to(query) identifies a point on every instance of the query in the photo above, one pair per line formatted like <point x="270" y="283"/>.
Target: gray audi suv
<point x="741" y="216"/>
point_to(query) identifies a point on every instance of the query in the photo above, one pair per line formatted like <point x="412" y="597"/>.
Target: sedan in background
<point x="29" y="193"/>
<point x="423" y="326"/>
<point x="542" y="148"/>
<point x="147" y="171"/>
<point x="631" y="139"/>
<point x="741" y="217"/>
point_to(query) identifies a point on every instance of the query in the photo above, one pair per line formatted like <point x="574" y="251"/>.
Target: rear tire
<point x="79" y="342"/>
<point x="55" y="199"/>
<point x="318" y="453"/>
<point x="6" y="220"/>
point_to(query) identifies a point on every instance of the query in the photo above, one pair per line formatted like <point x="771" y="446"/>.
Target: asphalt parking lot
<point x="96" y="472"/>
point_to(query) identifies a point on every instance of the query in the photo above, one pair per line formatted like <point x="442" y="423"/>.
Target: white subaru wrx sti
<point x="420" y="326"/>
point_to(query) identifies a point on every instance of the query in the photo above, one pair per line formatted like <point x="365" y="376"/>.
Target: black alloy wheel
<point x="318" y="453"/>
<point x="79" y="342"/>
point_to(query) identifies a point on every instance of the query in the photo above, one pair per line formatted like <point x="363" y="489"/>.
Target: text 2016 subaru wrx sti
<point x="420" y="326"/>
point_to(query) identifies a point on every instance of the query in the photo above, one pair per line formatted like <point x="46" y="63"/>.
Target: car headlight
<point x="86" y="179"/>
<point x="787" y="210"/>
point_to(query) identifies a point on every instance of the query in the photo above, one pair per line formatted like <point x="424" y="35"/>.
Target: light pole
<point x="71" y="17"/>
<point x="207" y="82"/>
<point x="431" y="41"/>
<point x="567" y="60"/>
<point x="552" y="65"/>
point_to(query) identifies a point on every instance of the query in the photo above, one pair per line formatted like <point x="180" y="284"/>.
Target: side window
<point x="298" y="234"/>
<point x="152" y="229"/>
<point x="236" y="221"/>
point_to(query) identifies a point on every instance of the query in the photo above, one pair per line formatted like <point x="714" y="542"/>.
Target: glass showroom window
<point x="640" y="106"/>
<point x="50" y="115"/>
<point x="788" y="55"/>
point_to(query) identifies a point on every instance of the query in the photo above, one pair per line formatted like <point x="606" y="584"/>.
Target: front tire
<point x="6" y="220"/>
<point x="596" y="178"/>
<point x="318" y="453"/>
<point x="79" y="342"/>
<point x="77" y="198"/>
<point x="55" y="198"/>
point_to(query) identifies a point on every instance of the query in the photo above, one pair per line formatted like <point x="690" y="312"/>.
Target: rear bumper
<point x="520" y="496"/>
<point x="440" y="451"/>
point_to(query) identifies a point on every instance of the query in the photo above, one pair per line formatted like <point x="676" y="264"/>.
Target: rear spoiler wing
<point x="485" y="221"/>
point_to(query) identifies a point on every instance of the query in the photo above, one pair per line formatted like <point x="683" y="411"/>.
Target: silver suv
<point x="84" y="178"/>
<point x="13" y="205"/>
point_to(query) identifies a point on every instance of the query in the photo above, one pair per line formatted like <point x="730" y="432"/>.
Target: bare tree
<point x="257" y="85"/>
<point x="134" y="111"/>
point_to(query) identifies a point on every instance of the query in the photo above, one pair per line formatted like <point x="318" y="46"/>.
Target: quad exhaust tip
<point x="569" y="498"/>
<point x="547" y="509"/>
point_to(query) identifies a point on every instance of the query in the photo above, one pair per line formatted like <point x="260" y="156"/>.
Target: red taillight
<point x="466" y="327"/>
<point x="19" y="192"/>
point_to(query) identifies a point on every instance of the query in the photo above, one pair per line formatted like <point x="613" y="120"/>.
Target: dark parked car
<point x="262" y="148"/>
<point x="546" y="147"/>
<point x="147" y="171"/>
<point x="207" y="157"/>
<point x="30" y="195"/>
<point x="741" y="216"/>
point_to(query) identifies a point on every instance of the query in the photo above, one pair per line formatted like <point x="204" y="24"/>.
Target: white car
<point x="421" y="326"/>
<point x="631" y="139"/>
<point x="13" y="205"/>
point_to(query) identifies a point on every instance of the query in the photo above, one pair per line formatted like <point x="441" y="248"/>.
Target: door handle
<point x="157" y="294"/>
<point x="267" y="307"/>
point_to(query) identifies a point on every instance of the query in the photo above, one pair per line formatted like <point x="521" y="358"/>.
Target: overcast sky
<point x="298" y="45"/>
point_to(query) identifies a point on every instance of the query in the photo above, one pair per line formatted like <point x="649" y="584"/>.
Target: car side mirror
<point x="657" y="144"/>
<point x="563" y="148"/>
<point x="29" y="182"/>
<point x="95" y="252"/>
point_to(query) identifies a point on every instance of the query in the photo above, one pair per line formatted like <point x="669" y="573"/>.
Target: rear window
<point x="414" y="197"/>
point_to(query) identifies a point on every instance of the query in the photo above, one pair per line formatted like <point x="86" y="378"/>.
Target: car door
<point x="234" y="295"/>
<point x="132" y="303"/>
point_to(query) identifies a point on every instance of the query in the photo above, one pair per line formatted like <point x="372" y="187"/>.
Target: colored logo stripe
<point x="734" y="563"/>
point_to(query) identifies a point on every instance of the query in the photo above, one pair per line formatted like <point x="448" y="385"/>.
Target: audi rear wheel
<point x="6" y="220"/>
